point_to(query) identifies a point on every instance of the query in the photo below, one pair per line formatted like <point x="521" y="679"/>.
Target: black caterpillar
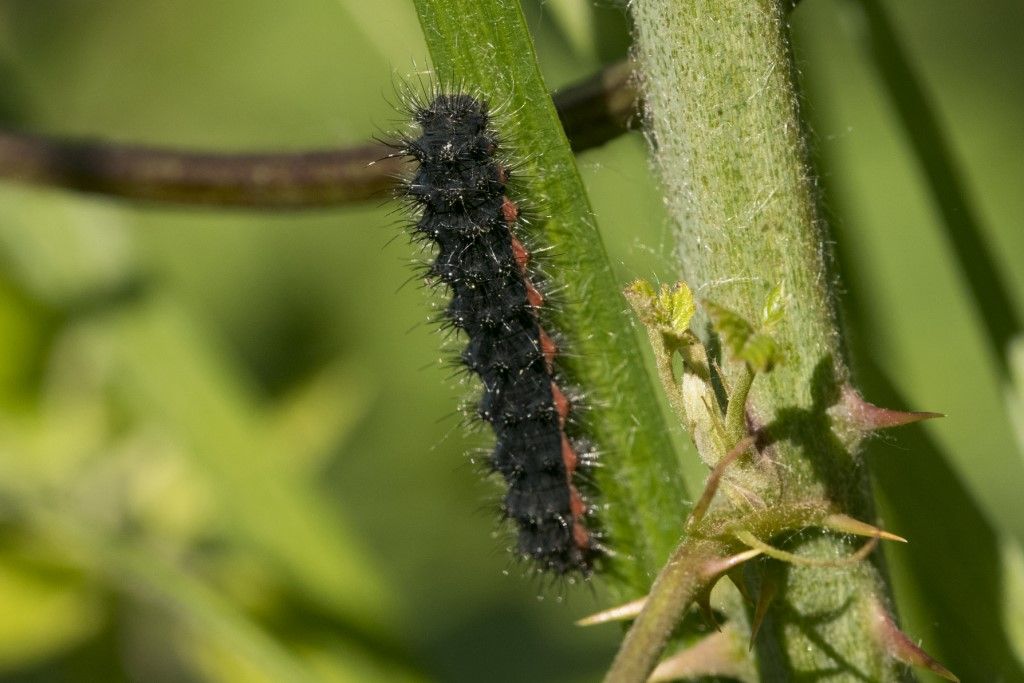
<point x="459" y="194"/>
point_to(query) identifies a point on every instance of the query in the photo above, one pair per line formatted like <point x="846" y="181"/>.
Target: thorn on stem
<point x="849" y="525"/>
<point x="719" y="566"/>
<point x="703" y="600"/>
<point x="771" y="581"/>
<point x="868" y="417"/>
<point x="901" y="648"/>
<point x="625" y="612"/>
<point x="736" y="576"/>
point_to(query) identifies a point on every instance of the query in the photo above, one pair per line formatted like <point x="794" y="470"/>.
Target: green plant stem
<point x="736" y="410"/>
<point x="484" y="47"/>
<point x="663" y="356"/>
<point x="962" y="227"/>
<point x="671" y="595"/>
<point x="724" y="110"/>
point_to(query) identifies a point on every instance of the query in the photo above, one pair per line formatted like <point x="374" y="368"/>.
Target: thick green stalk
<point x="730" y="147"/>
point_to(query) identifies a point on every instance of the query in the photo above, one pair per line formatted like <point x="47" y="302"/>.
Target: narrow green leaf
<point x="951" y="585"/>
<point x="312" y="421"/>
<point x="484" y="46"/>
<point x="48" y="607"/>
<point x="991" y="294"/>
<point x="202" y="608"/>
<point x="171" y="372"/>
<point x="128" y="568"/>
<point x="1015" y="388"/>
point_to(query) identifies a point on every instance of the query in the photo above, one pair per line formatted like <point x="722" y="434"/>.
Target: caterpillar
<point x="459" y="196"/>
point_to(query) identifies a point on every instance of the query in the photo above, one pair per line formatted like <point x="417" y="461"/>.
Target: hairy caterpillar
<point x="459" y="194"/>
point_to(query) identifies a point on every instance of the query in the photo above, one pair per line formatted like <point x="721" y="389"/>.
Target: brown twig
<point x="593" y="111"/>
<point x="273" y="180"/>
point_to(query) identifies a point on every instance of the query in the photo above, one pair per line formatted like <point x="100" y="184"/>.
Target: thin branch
<point x="274" y="180"/>
<point x="593" y="111"/>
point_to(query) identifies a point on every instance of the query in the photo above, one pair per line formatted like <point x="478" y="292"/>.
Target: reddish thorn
<point x="901" y="648"/>
<point x="770" y="582"/>
<point x="869" y="417"/>
<point x="720" y="565"/>
<point x="703" y="601"/>
<point x="736" y="576"/>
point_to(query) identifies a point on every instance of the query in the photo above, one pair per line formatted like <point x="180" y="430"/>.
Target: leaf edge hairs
<point x="458" y="196"/>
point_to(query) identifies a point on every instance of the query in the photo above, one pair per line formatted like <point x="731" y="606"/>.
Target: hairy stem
<point x="730" y="147"/>
<point x="671" y="595"/>
<point x="736" y="410"/>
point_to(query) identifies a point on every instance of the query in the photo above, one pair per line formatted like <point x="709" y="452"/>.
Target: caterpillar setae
<point x="459" y="196"/>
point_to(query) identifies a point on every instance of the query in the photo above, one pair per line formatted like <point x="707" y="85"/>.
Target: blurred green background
<point x="228" y="448"/>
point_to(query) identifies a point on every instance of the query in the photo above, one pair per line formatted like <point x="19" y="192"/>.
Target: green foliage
<point x="127" y="550"/>
<point x="721" y="96"/>
<point x="747" y="343"/>
<point x="668" y="310"/>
